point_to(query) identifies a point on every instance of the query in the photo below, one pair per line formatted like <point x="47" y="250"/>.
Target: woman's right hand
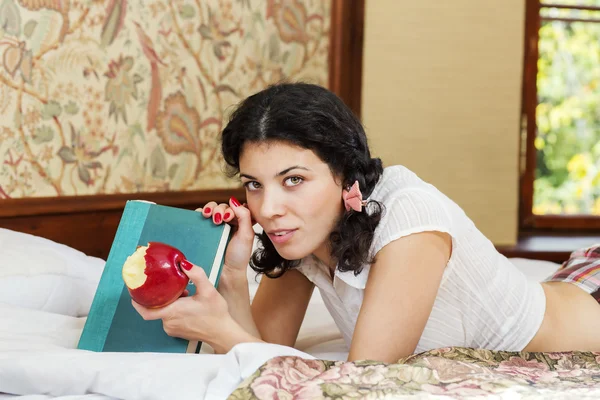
<point x="239" y="249"/>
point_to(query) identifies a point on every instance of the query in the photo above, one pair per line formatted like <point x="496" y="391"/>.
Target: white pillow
<point x="38" y="273"/>
<point x="537" y="270"/>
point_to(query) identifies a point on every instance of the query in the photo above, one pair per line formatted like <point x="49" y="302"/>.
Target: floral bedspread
<point x="454" y="372"/>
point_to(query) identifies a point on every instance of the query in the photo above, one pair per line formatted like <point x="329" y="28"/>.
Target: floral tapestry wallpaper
<point x="122" y="96"/>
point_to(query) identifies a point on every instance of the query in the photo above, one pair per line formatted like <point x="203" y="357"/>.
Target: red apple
<point x="153" y="274"/>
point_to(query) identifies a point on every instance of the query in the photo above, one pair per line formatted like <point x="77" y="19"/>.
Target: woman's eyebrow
<point x="285" y="171"/>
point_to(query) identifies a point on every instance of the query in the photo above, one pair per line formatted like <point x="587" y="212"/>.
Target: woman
<point x="399" y="265"/>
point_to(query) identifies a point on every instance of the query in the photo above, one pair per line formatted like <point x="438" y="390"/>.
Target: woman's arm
<point x="399" y="296"/>
<point x="280" y="305"/>
<point x="278" y="308"/>
<point x="233" y="286"/>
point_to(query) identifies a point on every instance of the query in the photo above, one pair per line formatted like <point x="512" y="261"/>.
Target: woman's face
<point x="293" y="195"/>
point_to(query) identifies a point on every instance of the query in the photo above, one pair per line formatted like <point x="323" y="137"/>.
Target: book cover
<point x="113" y="325"/>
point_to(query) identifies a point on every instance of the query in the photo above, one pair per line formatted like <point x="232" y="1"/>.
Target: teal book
<point x="113" y="325"/>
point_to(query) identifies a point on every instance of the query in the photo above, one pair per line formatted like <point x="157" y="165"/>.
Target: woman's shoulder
<point x="412" y="205"/>
<point x="397" y="181"/>
<point x="398" y="173"/>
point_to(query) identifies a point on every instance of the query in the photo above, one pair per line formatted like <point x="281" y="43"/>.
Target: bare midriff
<point x="571" y="321"/>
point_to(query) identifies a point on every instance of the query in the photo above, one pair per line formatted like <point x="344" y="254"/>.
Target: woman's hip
<point x="572" y="317"/>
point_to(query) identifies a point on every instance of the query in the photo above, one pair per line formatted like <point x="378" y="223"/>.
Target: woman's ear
<point x="339" y="180"/>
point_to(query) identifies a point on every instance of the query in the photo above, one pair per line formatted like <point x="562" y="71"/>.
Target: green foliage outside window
<point x="567" y="179"/>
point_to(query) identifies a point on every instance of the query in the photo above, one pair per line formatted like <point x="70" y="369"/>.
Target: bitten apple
<point x="153" y="274"/>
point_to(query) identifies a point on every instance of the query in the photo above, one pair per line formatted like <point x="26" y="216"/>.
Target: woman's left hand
<point x="203" y="316"/>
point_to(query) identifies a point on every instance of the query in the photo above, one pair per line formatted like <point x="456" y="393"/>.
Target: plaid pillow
<point x="583" y="269"/>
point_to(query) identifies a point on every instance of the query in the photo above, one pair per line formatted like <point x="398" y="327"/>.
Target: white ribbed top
<point x="483" y="301"/>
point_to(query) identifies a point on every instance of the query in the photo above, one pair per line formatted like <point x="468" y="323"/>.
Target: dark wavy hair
<point x="314" y="118"/>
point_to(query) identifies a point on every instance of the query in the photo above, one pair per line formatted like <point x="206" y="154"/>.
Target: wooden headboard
<point x="89" y="223"/>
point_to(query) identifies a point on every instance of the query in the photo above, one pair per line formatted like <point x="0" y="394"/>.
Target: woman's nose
<point x="272" y="205"/>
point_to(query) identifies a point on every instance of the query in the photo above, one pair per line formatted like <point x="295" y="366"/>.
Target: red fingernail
<point x="207" y="210"/>
<point x="226" y="215"/>
<point x="185" y="264"/>
<point x="235" y="202"/>
<point x="217" y="218"/>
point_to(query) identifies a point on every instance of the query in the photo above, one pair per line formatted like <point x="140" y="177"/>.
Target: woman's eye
<point x="252" y="185"/>
<point x="294" y="180"/>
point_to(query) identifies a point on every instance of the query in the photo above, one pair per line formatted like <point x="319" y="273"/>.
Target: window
<point x="560" y="164"/>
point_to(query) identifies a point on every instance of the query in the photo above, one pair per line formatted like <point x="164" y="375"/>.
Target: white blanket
<point x="68" y="372"/>
<point x="45" y="292"/>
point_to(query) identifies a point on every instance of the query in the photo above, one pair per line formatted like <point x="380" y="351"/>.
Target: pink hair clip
<point x="353" y="198"/>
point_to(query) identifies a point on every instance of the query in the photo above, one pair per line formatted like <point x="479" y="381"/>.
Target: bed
<point x="46" y="289"/>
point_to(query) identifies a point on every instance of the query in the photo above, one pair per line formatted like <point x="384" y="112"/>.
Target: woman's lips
<point x="281" y="237"/>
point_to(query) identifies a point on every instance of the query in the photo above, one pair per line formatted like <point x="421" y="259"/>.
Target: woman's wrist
<point x="231" y="334"/>
<point x="233" y="286"/>
<point x="233" y="279"/>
